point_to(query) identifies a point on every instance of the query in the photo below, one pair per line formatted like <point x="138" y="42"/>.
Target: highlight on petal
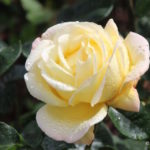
<point x="40" y="90"/>
<point x="138" y="49"/>
<point x="65" y="27"/>
<point x="69" y="123"/>
<point x="87" y="138"/>
<point x="36" y="53"/>
<point x="112" y="30"/>
<point x="57" y="84"/>
<point x="127" y="100"/>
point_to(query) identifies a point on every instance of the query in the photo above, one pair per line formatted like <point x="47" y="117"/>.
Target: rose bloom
<point x="79" y="69"/>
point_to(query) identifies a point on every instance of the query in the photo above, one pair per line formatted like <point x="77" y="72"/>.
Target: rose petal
<point x="138" y="49"/>
<point x="57" y="84"/>
<point x="36" y="43"/>
<point x="40" y="90"/>
<point x="112" y="30"/>
<point x="36" y="53"/>
<point x="70" y="123"/>
<point x="87" y="138"/>
<point x="128" y="100"/>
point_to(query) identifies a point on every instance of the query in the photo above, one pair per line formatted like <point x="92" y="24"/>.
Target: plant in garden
<point x="126" y="125"/>
<point x="80" y="69"/>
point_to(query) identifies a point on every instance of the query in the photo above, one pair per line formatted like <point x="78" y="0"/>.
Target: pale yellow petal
<point x="112" y="30"/>
<point x="39" y="89"/>
<point x="69" y="123"/>
<point x="128" y="100"/>
<point x="57" y="84"/>
<point x="35" y="54"/>
<point x="138" y="49"/>
<point x="87" y="138"/>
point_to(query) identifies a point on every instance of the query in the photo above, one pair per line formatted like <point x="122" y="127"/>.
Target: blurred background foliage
<point x="21" y="21"/>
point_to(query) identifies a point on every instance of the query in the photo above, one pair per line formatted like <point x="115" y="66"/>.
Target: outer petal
<point x="69" y="123"/>
<point x="127" y="100"/>
<point x="36" y="53"/>
<point x="40" y="90"/>
<point x="87" y="138"/>
<point x="112" y="30"/>
<point x="138" y="49"/>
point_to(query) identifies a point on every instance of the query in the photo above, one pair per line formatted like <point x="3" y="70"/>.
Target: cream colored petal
<point x="111" y="79"/>
<point x="36" y="53"/>
<point x="138" y="49"/>
<point x="62" y="59"/>
<point x="84" y="70"/>
<point x="54" y="31"/>
<point x="128" y="100"/>
<point x="57" y="84"/>
<point x="87" y="138"/>
<point x="112" y="30"/>
<point x="40" y="90"/>
<point x="36" y="42"/>
<point x="87" y="90"/>
<point x="69" y="123"/>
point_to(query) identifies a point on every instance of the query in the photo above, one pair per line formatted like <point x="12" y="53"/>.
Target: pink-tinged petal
<point x="36" y="54"/>
<point x="127" y="100"/>
<point x="69" y="123"/>
<point x="36" y="42"/>
<point x="87" y="138"/>
<point x="139" y="54"/>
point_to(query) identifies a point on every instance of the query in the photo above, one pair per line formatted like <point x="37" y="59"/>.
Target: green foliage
<point x="32" y="134"/>
<point x="8" y="55"/>
<point x="36" y="14"/>
<point x="87" y="10"/>
<point x="9" y="137"/>
<point x="126" y="126"/>
<point x="26" y="48"/>
<point x="49" y="143"/>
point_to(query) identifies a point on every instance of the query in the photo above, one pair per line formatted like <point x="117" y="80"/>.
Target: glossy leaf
<point x="126" y="126"/>
<point x="32" y="134"/>
<point x="8" y="56"/>
<point x="49" y="143"/>
<point x="103" y="134"/>
<point x="26" y="48"/>
<point x="9" y="137"/>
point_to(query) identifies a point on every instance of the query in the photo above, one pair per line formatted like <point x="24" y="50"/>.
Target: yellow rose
<point x="79" y="69"/>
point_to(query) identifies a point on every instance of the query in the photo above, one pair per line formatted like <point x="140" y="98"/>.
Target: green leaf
<point x="103" y="134"/>
<point x="49" y="143"/>
<point x="32" y="134"/>
<point x="141" y="119"/>
<point x="129" y="144"/>
<point x="8" y="56"/>
<point x="26" y="48"/>
<point x="9" y="137"/>
<point x="36" y="13"/>
<point x="7" y="97"/>
<point x="126" y="126"/>
<point x="15" y="73"/>
<point x="87" y="10"/>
